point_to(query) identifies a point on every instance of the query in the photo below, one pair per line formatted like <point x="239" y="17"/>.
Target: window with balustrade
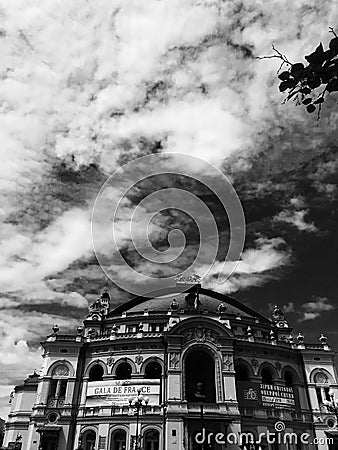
<point x="58" y="385"/>
<point x="322" y="388"/>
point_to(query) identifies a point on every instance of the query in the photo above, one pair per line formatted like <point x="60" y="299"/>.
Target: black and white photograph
<point x="169" y="225"/>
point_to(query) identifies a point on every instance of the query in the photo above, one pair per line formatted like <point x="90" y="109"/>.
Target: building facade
<point x="185" y="371"/>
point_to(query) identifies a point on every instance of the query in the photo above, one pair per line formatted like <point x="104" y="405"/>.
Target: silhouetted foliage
<point x="310" y="83"/>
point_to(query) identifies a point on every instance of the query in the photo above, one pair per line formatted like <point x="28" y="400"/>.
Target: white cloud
<point x="26" y="260"/>
<point x="296" y="218"/>
<point x="254" y="269"/>
<point x="314" y="309"/>
<point x="19" y="357"/>
<point x="289" y="307"/>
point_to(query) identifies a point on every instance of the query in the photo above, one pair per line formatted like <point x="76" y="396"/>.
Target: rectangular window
<point x="131" y="329"/>
<point x="156" y="327"/>
<point x="52" y="388"/>
<point x="63" y="388"/>
<point x="319" y="395"/>
<point x="327" y="394"/>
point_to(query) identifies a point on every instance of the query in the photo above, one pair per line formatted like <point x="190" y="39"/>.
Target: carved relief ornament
<point x="200" y="335"/>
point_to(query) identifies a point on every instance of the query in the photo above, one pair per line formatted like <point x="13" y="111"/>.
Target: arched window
<point x="58" y="384"/>
<point x="88" y="440"/>
<point x="288" y="378"/>
<point x="123" y="371"/>
<point x="241" y="373"/>
<point x="322" y="387"/>
<point x="321" y="378"/>
<point x="151" y="440"/>
<point x="200" y="377"/>
<point x="153" y="370"/>
<point x="119" y="440"/>
<point x="96" y="373"/>
<point x="267" y="377"/>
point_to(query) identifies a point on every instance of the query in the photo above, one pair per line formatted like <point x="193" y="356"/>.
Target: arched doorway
<point x="118" y="440"/>
<point x="200" y="377"/>
<point x="88" y="440"/>
<point x="151" y="440"/>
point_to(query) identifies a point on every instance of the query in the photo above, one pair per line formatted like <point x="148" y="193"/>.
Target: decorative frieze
<point x="200" y="335"/>
<point x="174" y="360"/>
<point x="228" y="363"/>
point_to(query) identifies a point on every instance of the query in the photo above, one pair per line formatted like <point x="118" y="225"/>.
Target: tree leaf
<point x="334" y="45"/>
<point x="284" y="75"/>
<point x="327" y="75"/>
<point x="297" y="70"/>
<point x="283" y="86"/>
<point x="332" y="86"/>
<point x="310" y="108"/>
<point x="317" y="57"/>
<point x="313" y="81"/>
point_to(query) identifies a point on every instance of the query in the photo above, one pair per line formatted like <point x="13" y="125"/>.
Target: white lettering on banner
<point x="118" y="392"/>
<point x="121" y="390"/>
<point x="277" y="395"/>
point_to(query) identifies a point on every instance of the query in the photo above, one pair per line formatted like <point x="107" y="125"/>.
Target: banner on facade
<point x="251" y="395"/>
<point x="278" y="396"/>
<point x="118" y="392"/>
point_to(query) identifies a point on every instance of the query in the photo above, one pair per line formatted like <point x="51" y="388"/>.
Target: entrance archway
<point x="200" y="377"/>
<point x="119" y="440"/>
<point x="151" y="440"/>
<point x="88" y="440"/>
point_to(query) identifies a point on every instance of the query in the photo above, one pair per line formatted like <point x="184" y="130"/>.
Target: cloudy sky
<point x="87" y="86"/>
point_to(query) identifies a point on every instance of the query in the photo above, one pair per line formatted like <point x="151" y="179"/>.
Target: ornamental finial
<point x="300" y="338"/>
<point x="323" y="339"/>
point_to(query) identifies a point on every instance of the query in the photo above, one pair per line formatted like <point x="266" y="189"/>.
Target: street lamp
<point x="332" y="405"/>
<point x="137" y="402"/>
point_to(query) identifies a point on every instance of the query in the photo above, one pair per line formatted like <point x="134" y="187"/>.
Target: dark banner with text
<point x="252" y="395"/>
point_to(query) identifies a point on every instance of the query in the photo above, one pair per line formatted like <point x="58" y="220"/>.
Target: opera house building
<point x="186" y="371"/>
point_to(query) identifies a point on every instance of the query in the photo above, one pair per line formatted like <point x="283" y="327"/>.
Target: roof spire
<point x="278" y="317"/>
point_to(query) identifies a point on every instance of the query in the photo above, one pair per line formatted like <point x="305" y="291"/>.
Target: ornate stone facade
<point x="198" y="358"/>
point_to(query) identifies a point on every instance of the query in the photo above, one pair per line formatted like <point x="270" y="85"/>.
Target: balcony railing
<point x="104" y="411"/>
<point x="145" y="334"/>
<point x="282" y="414"/>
